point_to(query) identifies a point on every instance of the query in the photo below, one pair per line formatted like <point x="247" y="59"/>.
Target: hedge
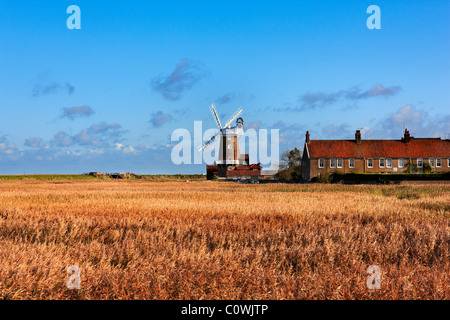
<point x="383" y="178"/>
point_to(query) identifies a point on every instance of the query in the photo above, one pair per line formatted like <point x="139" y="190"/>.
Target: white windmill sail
<point x="235" y="115"/>
<point x="209" y="143"/>
<point x="215" y="115"/>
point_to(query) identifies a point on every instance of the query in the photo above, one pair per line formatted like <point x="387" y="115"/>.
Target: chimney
<point x="307" y="137"/>
<point x="407" y="137"/>
<point x="358" y="137"/>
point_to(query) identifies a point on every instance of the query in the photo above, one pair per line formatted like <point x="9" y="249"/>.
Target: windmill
<point x="229" y="145"/>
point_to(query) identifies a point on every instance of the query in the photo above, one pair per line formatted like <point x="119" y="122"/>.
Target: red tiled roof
<point x="248" y="166"/>
<point x="416" y="148"/>
<point x="244" y="173"/>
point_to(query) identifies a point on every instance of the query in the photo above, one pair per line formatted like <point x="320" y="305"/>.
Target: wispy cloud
<point x="97" y="135"/>
<point x="391" y="126"/>
<point x="376" y="91"/>
<point x="76" y="112"/>
<point x="233" y="96"/>
<point x="320" y="100"/>
<point x="46" y="89"/>
<point x="62" y="139"/>
<point x="310" y="101"/>
<point x="7" y="149"/>
<point x="185" y="75"/>
<point x="226" y="98"/>
<point x="159" y="118"/>
<point x="419" y="123"/>
<point x="334" y="131"/>
<point x="34" y="142"/>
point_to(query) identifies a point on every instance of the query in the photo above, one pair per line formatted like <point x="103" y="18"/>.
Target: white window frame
<point x="321" y="163"/>
<point x="419" y="162"/>
<point x="350" y="163"/>
<point x="432" y="162"/>
<point x="331" y="163"/>
<point x="448" y="162"/>
<point x="438" y="165"/>
<point x="368" y="163"/>
<point x="388" y="163"/>
<point x="379" y="163"/>
<point x="401" y="163"/>
<point x="341" y="161"/>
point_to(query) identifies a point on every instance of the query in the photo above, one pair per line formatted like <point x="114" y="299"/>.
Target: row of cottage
<point x="373" y="156"/>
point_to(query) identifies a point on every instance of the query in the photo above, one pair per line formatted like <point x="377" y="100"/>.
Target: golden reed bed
<point x="212" y="240"/>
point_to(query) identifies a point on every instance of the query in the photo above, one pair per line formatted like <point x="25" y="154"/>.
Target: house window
<point x="389" y="163"/>
<point x="448" y="162"/>
<point x="420" y="163"/>
<point x="340" y="162"/>
<point x="369" y="163"/>
<point x="438" y="163"/>
<point x="332" y="163"/>
<point x="431" y="161"/>
<point x="351" y="163"/>
<point x="321" y="163"/>
<point x="382" y="160"/>
<point x="401" y="163"/>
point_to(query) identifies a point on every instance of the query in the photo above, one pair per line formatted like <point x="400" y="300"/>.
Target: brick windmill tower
<point x="229" y="143"/>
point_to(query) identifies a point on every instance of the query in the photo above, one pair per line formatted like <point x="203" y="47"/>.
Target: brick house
<point x="373" y="156"/>
<point x="240" y="171"/>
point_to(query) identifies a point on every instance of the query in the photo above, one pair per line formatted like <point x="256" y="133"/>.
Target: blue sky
<point x="108" y="97"/>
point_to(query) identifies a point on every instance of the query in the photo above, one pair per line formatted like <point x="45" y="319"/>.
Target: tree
<point x="290" y="158"/>
<point x="427" y="167"/>
<point x="411" y="167"/>
<point x="290" y="166"/>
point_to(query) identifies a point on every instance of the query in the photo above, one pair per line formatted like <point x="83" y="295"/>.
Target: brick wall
<point x="312" y="166"/>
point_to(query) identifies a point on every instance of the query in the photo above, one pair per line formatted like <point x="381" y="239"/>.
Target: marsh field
<point x="219" y="240"/>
